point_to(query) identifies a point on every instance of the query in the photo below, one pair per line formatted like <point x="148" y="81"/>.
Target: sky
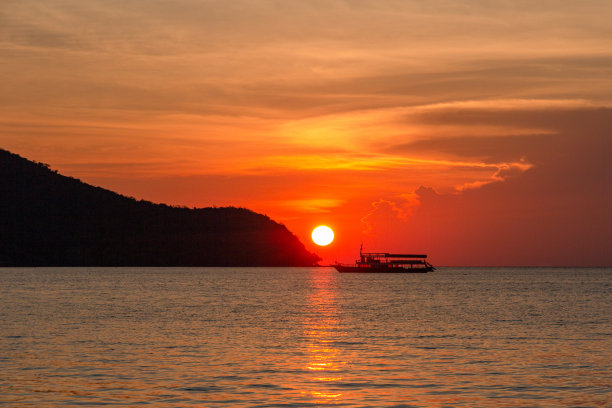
<point x="477" y="132"/>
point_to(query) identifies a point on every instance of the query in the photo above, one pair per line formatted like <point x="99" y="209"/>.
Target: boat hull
<point x="382" y="269"/>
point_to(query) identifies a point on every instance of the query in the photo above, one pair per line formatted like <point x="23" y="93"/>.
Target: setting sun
<point x="322" y="235"/>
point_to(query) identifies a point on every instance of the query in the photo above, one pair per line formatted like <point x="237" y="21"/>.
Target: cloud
<point x="509" y="105"/>
<point x="299" y="59"/>
<point x="314" y="205"/>
<point x="383" y="210"/>
<point x="553" y="213"/>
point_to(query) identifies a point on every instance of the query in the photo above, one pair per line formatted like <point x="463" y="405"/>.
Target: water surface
<point x="248" y="337"/>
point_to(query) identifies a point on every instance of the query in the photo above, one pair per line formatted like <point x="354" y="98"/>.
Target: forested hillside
<point x="47" y="219"/>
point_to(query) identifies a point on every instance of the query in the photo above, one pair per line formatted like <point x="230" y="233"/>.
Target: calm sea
<point x="300" y="337"/>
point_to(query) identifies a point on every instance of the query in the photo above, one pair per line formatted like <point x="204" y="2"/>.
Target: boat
<point x="383" y="262"/>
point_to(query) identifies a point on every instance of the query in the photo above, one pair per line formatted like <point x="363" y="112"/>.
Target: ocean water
<point x="301" y="337"/>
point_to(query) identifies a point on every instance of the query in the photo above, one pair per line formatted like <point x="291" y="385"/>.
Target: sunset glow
<point x="449" y="129"/>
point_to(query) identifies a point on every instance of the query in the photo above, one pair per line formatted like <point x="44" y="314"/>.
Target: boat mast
<point x="361" y="260"/>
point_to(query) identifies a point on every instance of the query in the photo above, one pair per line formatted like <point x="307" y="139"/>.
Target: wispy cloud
<point x="314" y="205"/>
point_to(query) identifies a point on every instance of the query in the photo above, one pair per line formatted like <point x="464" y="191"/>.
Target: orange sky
<point x="477" y="132"/>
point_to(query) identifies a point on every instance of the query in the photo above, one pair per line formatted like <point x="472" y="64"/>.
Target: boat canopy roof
<point x="388" y="255"/>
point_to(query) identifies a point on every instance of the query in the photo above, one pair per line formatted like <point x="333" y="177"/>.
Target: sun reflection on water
<point x="322" y="332"/>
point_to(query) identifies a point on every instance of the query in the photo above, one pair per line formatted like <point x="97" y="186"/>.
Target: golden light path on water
<point x="322" y="331"/>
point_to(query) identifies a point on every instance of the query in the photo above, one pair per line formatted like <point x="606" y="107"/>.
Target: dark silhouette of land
<point x="47" y="219"/>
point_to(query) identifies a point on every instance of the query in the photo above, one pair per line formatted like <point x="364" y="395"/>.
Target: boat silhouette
<point x="384" y="262"/>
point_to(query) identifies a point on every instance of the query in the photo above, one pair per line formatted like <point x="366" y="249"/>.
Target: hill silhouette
<point x="47" y="219"/>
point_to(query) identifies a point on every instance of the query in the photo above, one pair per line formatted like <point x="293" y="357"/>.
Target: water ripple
<point x="304" y="337"/>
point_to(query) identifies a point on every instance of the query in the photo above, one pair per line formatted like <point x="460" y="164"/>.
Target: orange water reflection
<point x="322" y="332"/>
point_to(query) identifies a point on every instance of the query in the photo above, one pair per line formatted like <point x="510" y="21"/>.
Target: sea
<point x="305" y="337"/>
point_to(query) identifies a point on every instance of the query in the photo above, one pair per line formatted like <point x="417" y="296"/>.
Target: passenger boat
<point x="383" y="262"/>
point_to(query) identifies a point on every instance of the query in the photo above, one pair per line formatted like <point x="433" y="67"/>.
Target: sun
<point x="322" y="235"/>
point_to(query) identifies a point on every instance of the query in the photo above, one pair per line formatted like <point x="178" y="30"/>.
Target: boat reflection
<point x="322" y="332"/>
